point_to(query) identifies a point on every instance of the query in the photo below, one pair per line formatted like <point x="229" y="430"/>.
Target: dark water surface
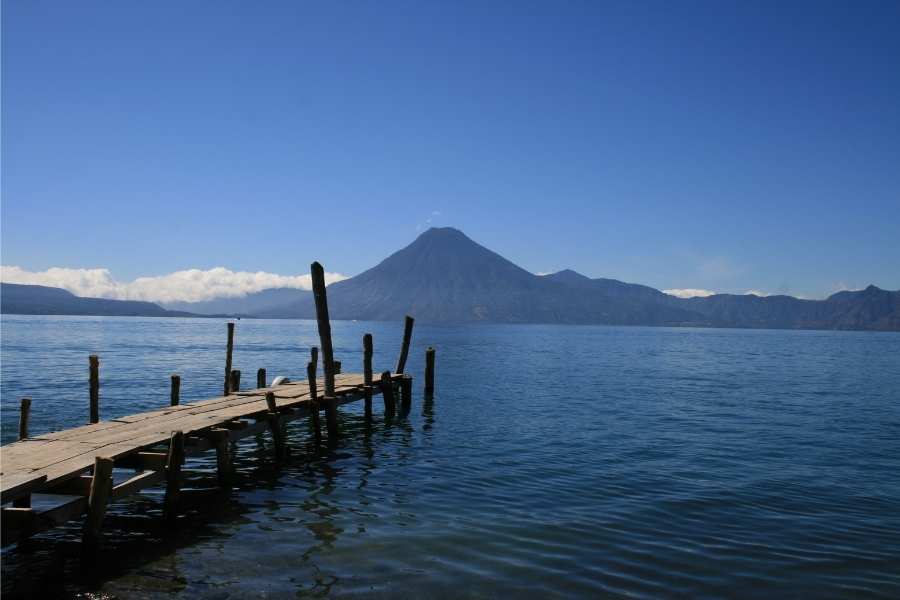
<point x="553" y="462"/>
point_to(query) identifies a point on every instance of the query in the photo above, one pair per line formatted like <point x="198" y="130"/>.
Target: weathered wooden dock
<point x="74" y="467"/>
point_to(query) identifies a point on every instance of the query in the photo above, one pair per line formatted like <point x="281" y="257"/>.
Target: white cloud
<point x="191" y="285"/>
<point x="688" y="292"/>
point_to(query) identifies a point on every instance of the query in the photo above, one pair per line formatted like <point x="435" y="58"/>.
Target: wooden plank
<point x="15" y="486"/>
<point x="138" y="482"/>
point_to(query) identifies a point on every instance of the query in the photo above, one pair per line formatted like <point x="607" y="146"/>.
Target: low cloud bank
<point x="191" y="285"/>
<point x="689" y="293"/>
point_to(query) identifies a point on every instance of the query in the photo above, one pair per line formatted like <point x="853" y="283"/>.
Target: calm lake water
<point x="553" y="462"/>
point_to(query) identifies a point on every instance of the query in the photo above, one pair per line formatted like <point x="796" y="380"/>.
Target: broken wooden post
<point x="24" y="414"/>
<point x="367" y="375"/>
<point x="337" y="367"/>
<point x="235" y="380"/>
<point x="405" y="394"/>
<point x="101" y="485"/>
<point x="275" y="425"/>
<point x="228" y="350"/>
<point x="404" y="350"/>
<point x="314" y="356"/>
<point x="175" y="394"/>
<point x="221" y="439"/>
<point x="387" y="390"/>
<point x="261" y="378"/>
<point x="174" y="460"/>
<point x="94" y="362"/>
<point x="324" y="325"/>
<point x="429" y="370"/>
<point x="313" y="402"/>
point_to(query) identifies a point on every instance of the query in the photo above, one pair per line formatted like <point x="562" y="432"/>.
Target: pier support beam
<point x="387" y="390"/>
<point x="221" y="439"/>
<point x="174" y="460"/>
<point x="261" y="378"/>
<point x="314" y="402"/>
<point x="275" y="426"/>
<point x="235" y="380"/>
<point x="94" y="365"/>
<point x="331" y="418"/>
<point x="228" y="351"/>
<point x="324" y="325"/>
<point x="24" y="415"/>
<point x="405" y="394"/>
<point x="404" y="349"/>
<point x="367" y="375"/>
<point x="101" y="486"/>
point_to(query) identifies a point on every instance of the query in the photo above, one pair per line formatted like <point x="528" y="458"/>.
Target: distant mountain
<point x="251" y="304"/>
<point x="444" y="276"/>
<point x="41" y="300"/>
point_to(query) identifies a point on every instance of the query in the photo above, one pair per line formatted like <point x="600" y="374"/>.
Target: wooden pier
<point x="74" y="467"/>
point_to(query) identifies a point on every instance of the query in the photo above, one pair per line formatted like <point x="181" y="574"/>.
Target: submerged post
<point x="173" y="475"/>
<point x="429" y="370"/>
<point x="318" y="282"/>
<point x="235" y="380"/>
<point x="275" y="425"/>
<point x="228" y="350"/>
<point x="94" y="363"/>
<point x="387" y="390"/>
<point x="175" y="393"/>
<point x="261" y="378"/>
<point x="314" y="402"/>
<point x="101" y="485"/>
<point x="367" y="374"/>
<point x="405" y="394"/>
<point x="404" y="350"/>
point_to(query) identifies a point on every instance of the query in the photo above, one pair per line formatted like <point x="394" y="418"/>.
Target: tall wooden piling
<point x="221" y="439"/>
<point x="174" y="461"/>
<point x="94" y="365"/>
<point x="367" y="374"/>
<point x="429" y="370"/>
<point x="228" y="351"/>
<point x="324" y="325"/>
<point x="175" y="391"/>
<point x="314" y="402"/>
<point x="235" y="380"/>
<point x="261" y="378"/>
<point x="275" y="425"/>
<point x="387" y="390"/>
<point x="404" y="349"/>
<point x="101" y="486"/>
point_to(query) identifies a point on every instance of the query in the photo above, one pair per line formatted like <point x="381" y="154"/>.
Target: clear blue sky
<point x="722" y="145"/>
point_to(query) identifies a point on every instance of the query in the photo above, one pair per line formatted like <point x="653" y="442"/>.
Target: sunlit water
<point x="553" y="462"/>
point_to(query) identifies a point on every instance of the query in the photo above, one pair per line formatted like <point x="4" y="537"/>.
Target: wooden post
<point x="261" y="378"/>
<point x="94" y="362"/>
<point x="101" y="485"/>
<point x="221" y="439"/>
<point x="337" y="367"/>
<point x="24" y="414"/>
<point x="175" y="395"/>
<point x="331" y="418"/>
<point x="173" y="475"/>
<point x="235" y="380"/>
<point x="429" y="370"/>
<point x="314" y="402"/>
<point x="228" y="351"/>
<point x="367" y="375"/>
<point x="405" y="394"/>
<point x="404" y="350"/>
<point x="387" y="390"/>
<point x="275" y="425"/>
<point x="318" y="282"/>
<point x="314" y="356"/>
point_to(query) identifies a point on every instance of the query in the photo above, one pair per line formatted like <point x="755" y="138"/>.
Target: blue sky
<point x="718" y="145"/>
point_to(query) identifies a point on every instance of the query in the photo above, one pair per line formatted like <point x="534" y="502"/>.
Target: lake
<point x="553" y="461"/>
